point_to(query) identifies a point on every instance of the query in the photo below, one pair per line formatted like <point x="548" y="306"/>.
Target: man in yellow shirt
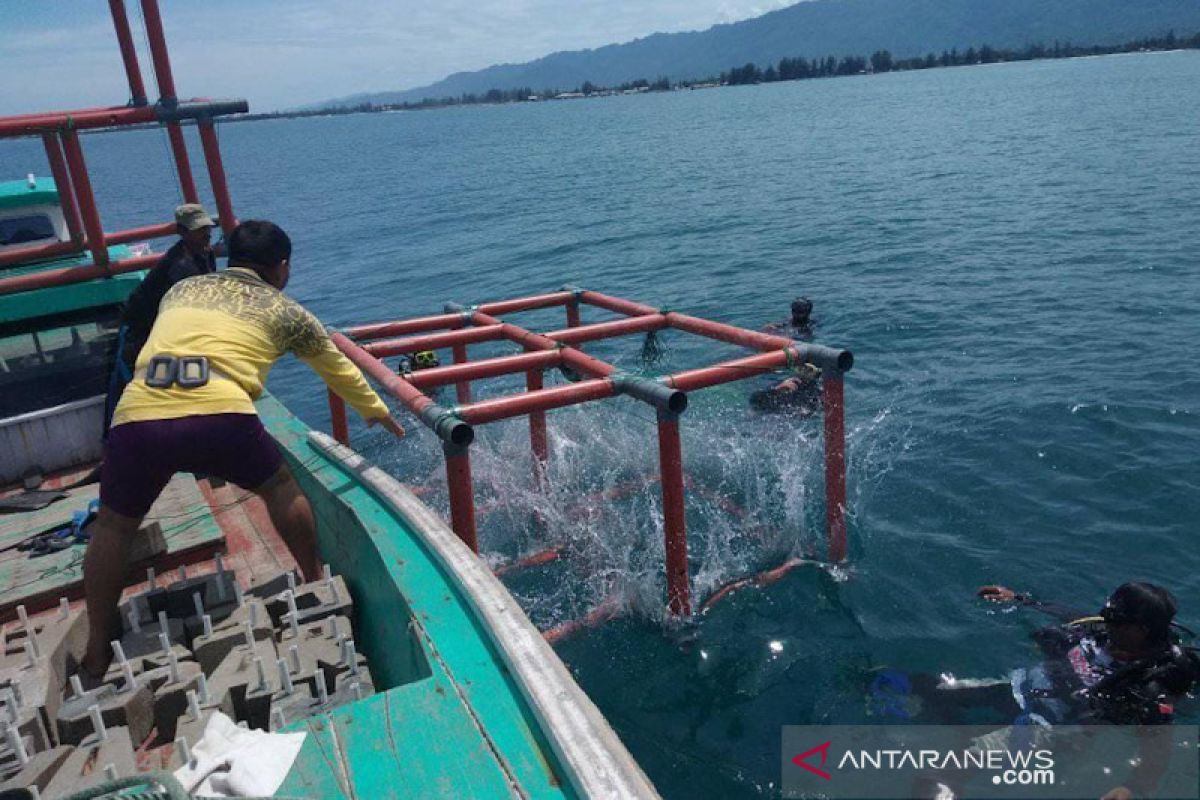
<point x="190" y="408"/>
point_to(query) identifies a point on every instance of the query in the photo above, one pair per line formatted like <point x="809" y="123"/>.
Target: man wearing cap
<point x="191" y="255"/>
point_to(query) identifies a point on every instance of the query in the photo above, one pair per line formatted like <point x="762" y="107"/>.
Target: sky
<point x="281" y="54"/>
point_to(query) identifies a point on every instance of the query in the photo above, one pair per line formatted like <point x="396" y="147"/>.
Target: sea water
<point x="1010" y="251"/>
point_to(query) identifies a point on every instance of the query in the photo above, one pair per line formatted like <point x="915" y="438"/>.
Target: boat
<point x="55" y="344"/>
<point x="469" y="698"/>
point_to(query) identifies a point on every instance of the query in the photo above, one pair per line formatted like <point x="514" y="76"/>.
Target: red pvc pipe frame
<point x="555" y="347"/>
<point x="419" y="325"/>
<point x="337" y="418"/>
<point x="133" y="71"/>
<point x="670" y="459"/>
<point x="462" y="495"/>
<point x="216" y="174"/>
<point x="69" y="168"/>
<point x="462" y="389"/>
<point x="57" y="249"/>
<point x="434" y="341"/>
<point x="86" y="199"/>
<point x="835" y="464"/>
<point x="183" y="165"/>
<point x="461" y="374"/>
<point x="539" y="441"/>
<point x="66" y="192"/>
<point x="68" y="275"/>
<point x="158" y="50"/>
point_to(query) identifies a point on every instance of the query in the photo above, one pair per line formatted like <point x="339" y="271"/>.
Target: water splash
<point x="754" y="487"/>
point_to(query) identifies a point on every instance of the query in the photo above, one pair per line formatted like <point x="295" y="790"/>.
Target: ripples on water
<point x="1010" y="251"/>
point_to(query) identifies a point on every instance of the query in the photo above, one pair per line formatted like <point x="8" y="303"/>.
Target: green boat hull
<point x="472" y="702"/>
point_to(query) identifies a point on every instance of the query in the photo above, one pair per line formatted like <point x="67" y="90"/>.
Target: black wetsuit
<point x="800" y="394"/>
<point x="141" y="309"/>
<point x="1078" y="682"/>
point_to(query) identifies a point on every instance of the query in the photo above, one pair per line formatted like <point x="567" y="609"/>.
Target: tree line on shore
<point x="792" y="69"/>
<point x="788" y="69"/>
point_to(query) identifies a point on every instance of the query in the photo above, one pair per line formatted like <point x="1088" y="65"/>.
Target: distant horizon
<point x="306" y="52"/>
<point x="797" y="70"/>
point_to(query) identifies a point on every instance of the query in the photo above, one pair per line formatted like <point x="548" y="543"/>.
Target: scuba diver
<point x="1126" y="665"/>
<point x="424" y="359"/>
<point x="800" y="325"/>
<point x="799" y="394"/>
<point x="415" y="362"/>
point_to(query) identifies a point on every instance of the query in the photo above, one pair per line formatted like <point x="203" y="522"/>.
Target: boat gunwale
<point x="595" y="760"/>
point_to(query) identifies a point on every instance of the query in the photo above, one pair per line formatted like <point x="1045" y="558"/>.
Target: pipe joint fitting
<point x="650" y="391"/>
<point x="447" y="425"/>
<point x="827" y="358"/>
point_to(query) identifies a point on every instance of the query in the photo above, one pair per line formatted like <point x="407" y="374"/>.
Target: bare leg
<point x="292" y="516"/>
<point x="104" y="568"/>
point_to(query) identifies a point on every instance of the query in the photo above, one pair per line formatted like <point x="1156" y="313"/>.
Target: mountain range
<point x="819" y="28"/>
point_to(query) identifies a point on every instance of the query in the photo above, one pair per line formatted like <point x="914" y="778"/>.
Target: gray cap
<point x="193" y="217"/>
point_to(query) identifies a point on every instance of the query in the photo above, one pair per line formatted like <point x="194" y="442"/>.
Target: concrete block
<point x="132" y="708"/>
<point x="41" y="768"/>
<point x="260" y="691"/>
<point x="211" y="650"/>
<point x="232" y="678"/>
<point x="289" y="708"/>
<point x="30" y="699"/>
<point x="346" y="660"/>
<point x="29" y="722"/>
<point x="170" y="698"/>
<point x="314" y="602"/>
<point x="160" y="659"/>
<point x="146" y="642"/>
<point x="216" y="593"/>
<point x="352" y="687"/>
<point x="190" y="726"/>
<point x="61" y="639"/>
<point x="135" y="609"/>
<point x="267" y="589"/>
<point x="85" y="767"/>
<point x="158" y="676"/>
<point x="313" y="642"/>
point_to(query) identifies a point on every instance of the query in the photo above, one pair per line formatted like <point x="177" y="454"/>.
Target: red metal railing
<point x="467" y="326"/>
<point x="64" y="152"/>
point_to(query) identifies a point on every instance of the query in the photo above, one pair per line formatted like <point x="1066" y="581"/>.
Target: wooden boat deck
<point x="469" y="700"/>
<point x="196" y="520"/>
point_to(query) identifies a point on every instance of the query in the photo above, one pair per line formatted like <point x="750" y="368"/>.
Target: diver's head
<point x="801" y="311"/>
<point x="1138" y="617"/>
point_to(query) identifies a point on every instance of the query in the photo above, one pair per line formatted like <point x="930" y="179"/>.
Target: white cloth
<point x="235" y="762"/>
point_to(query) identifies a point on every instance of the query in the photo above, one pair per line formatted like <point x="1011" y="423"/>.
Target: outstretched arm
<point x="1002" y="594"/>
<point x="311" y="344"/>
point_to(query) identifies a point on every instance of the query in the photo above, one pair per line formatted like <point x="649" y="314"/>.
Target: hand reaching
<point x="390" y="424"/>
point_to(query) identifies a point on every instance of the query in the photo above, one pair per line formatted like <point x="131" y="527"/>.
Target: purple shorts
<point x="141" y="457"/>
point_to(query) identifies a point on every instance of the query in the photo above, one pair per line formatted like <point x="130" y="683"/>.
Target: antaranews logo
<point x="1011" y="767"/>
<point x="1034" y="762"/>
<point x="802" y="760"/>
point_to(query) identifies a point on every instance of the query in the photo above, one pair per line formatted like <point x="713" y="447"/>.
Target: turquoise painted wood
<point x="451" y="722"/>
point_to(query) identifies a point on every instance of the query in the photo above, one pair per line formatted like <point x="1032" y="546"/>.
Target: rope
<point x="157" y="785"/>
<point x="161" y="129"/>
<point x="160" y="785"/>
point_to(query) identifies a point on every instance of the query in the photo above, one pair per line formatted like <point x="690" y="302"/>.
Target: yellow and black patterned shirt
<point x="243" y="325"/>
